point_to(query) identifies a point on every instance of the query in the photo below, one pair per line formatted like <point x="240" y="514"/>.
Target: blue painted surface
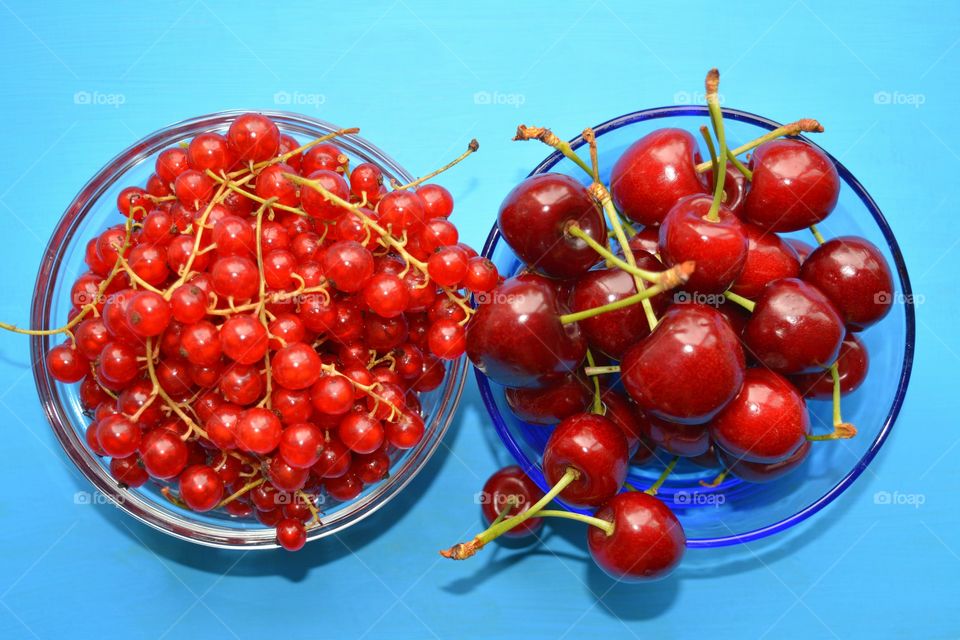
<point x="82" y="81"/>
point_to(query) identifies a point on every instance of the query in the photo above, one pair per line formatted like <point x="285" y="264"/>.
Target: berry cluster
<point x="717" y="372"/>
<point x="255" y="335"/>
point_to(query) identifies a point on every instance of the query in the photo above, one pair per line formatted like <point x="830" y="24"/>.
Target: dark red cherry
<point x="517" y="340"/>
<point x="794" y="328"/>
<point x="735" y="186"/>
<point x="794" y="185"/>
<point x="688" y="369"/>
<point x="647" y="541"/>
<point x="855" y="276"/>
<point x="646" y="239"/>
<point x="719" y="248"/>
<point x="802" y="248"/>
<point x="621" y="411"/>
<point x="500" y="487"/>
<point x="687" y="440"/>
<point x="597" y="449"/>
<point x="852" y="365"/>
<point x="552" y="404"/>
<point x="769" y="258"/>
<point x="653" y="173"/>
<point x="763" y="472"/>
<point x="534" y="219"/>
<point x="766" y="422"/>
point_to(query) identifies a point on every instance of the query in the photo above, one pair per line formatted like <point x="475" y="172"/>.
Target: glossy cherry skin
<point x="534" y="219"/>
<point x="517" y="340"/>
<point x="686" y="440"/>
<point x="794" y="328"/>
<point x="613" y="332"/>
<point x="735" y="187"/>
<point x="766" y="422"/>
<point x="688" y="369"/>
<point x="769" y="258"/>
<point x="653" y="173"/>
<point x="507" y="482"/>
<point x="794" y="185"/>
<point x="719" y="248"/>
<point x="763" y="472"/>
<point x="855" y="276"/>
<point x="597" y="449"/>
<point x="852" y="365"/>
<point x="621" y="411"/>
<point x="647" y="540"/>
<point x="551" y="404"/>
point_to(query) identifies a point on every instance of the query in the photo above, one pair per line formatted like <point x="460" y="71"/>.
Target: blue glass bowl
<point x="737" y="511"/>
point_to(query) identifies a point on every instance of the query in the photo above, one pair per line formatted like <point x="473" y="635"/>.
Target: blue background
<point x="882" y="77"/>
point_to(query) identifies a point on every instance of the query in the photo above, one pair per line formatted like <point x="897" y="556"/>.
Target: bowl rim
<point x="847" y="480"/>
<point x="130" y="501"/>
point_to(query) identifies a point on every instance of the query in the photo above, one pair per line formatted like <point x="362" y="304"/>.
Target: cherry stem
<point x="742" y="168"/>
<point x="716" y="119"/>
<point x="652" y="490"/>
<point x="841" y="430"/>
<point x="601" y="371"/>
<point x="550" y="139"/>
<point x="472" y="147"/>
<point x="805" y="125"/>
<point x="816" y="234"/>
<point x="599" y="523"/>
<point x="655" y="277"/>
<point x="749" y="305"/>
<point x="597" y="400"/>
<point x="708" y="139"/>
<point x="464" y="550"/>
<point x="640" y="296"/>
<point x="716" y="481"/>
<point x="511" y="502"/>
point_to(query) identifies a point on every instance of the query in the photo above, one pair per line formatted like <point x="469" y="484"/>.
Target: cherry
<point x="763" y="472"/>
<point x="621" y="411"/>
<point x="552" y="404"/>
<point x="654" y="173"/>
<point x="685" y="440"/>
<point x="163" y="453"/>
<point x="769" y="258"/>
<point x="517" y="340"/>
<point x="794" y="328"/>
<point x="688" y="368"/>
<point x="853" y="273"/>
<point x="296" y="366"/>
<point x="647" y="540"/>
<point x="802" y="248"/>
<point x="200" y="487"/>
<point x="534" y="219"/>
<point x="291" y="534"/>
<point x="735" y="187"/>
<point x="508" y="492"/>
<point x="253" y="137"/>
<point x="766" y="422"/>
<point x="794" y="185"/>
<point x="719" y="247"/>
<point x="596" y="449"/>
<point x="852" y="364"/>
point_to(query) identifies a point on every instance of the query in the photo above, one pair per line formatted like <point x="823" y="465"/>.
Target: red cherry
<point x="596" y="449"/>
<point x="686" y="440"/>
<point x="769" y="258"/>
<point x="506" y="484"/>
<point x="552" y="404"/>
<point x="763" y="472"/>
<point x="852" y="365"/>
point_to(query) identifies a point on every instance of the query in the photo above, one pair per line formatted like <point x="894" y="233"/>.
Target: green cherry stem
<point x="654" y="277"/>
<point x="652" y="490"/>
<point x="708" y="140"/>
<point x="716" y="481"/>
<point x="816" y="234"/>
<point x="640" y="296"/>
<point x="742" y="168"/>
<point x="749" y="305"/>
<point x="716" y="119"/>
<point x="550" y="139"/>
<point x="597" y="400"/>
<point x="805" y="125"/>
<point x="601" y="371"/>
<point x="841" y="430"/>
<point x="600" y="523"/>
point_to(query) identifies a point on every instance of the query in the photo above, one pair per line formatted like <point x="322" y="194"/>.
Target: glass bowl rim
<point x="58" y="417"/>
<point x="847" y="480"/>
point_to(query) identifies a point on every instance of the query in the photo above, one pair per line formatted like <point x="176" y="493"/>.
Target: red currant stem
<point x="682" y="273"/>
<point x="716" y="119"/>
<point x="158" y="199"/>
<point x="234" y="186"/>
<point x="136" y="279"/>
<point x="816" y="234"/>
<point x="597" y="400"/>
<point x="200" y="225"/>
<point x="708" y="139"/>
<point x="615" y="260"/>
<point x="599" y="523"/>
<point x="805" y="125"/>
<point x="740" y="300"/>
<point x="250" y="486"/>
<point x="193" y="427"/>
<point x="472" y="147"/>
<point x="652" y="490"/>
<point x="841" y="430"/>
<point x="307" y="500"/>
<point x="464" y="550"/>
<point x="550" y="139"/>
<point x="369" y="390"/>
<point x="716" y="481"/>
<point x="146" y="405"/>
<point x="256" y="168"/>
<point x="601" y="371"/>
<point x="735" y="161"/>
<point x="172" y="497"/>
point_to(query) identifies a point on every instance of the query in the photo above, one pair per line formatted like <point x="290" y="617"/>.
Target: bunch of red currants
<point x="588" y="337"/>
<point x="254" y="336"/>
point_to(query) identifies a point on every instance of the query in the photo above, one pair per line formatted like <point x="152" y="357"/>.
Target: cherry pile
<point x="254" y="336"/>
<point x="587" y="337"/>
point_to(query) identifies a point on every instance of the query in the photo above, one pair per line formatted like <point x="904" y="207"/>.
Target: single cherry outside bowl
<point x="736" y="511"/>
<point x="93" y="210"/>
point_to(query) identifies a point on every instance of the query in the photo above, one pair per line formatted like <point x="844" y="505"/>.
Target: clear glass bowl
<point x="737" y="511"/>
<point x="94" y="209"/>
